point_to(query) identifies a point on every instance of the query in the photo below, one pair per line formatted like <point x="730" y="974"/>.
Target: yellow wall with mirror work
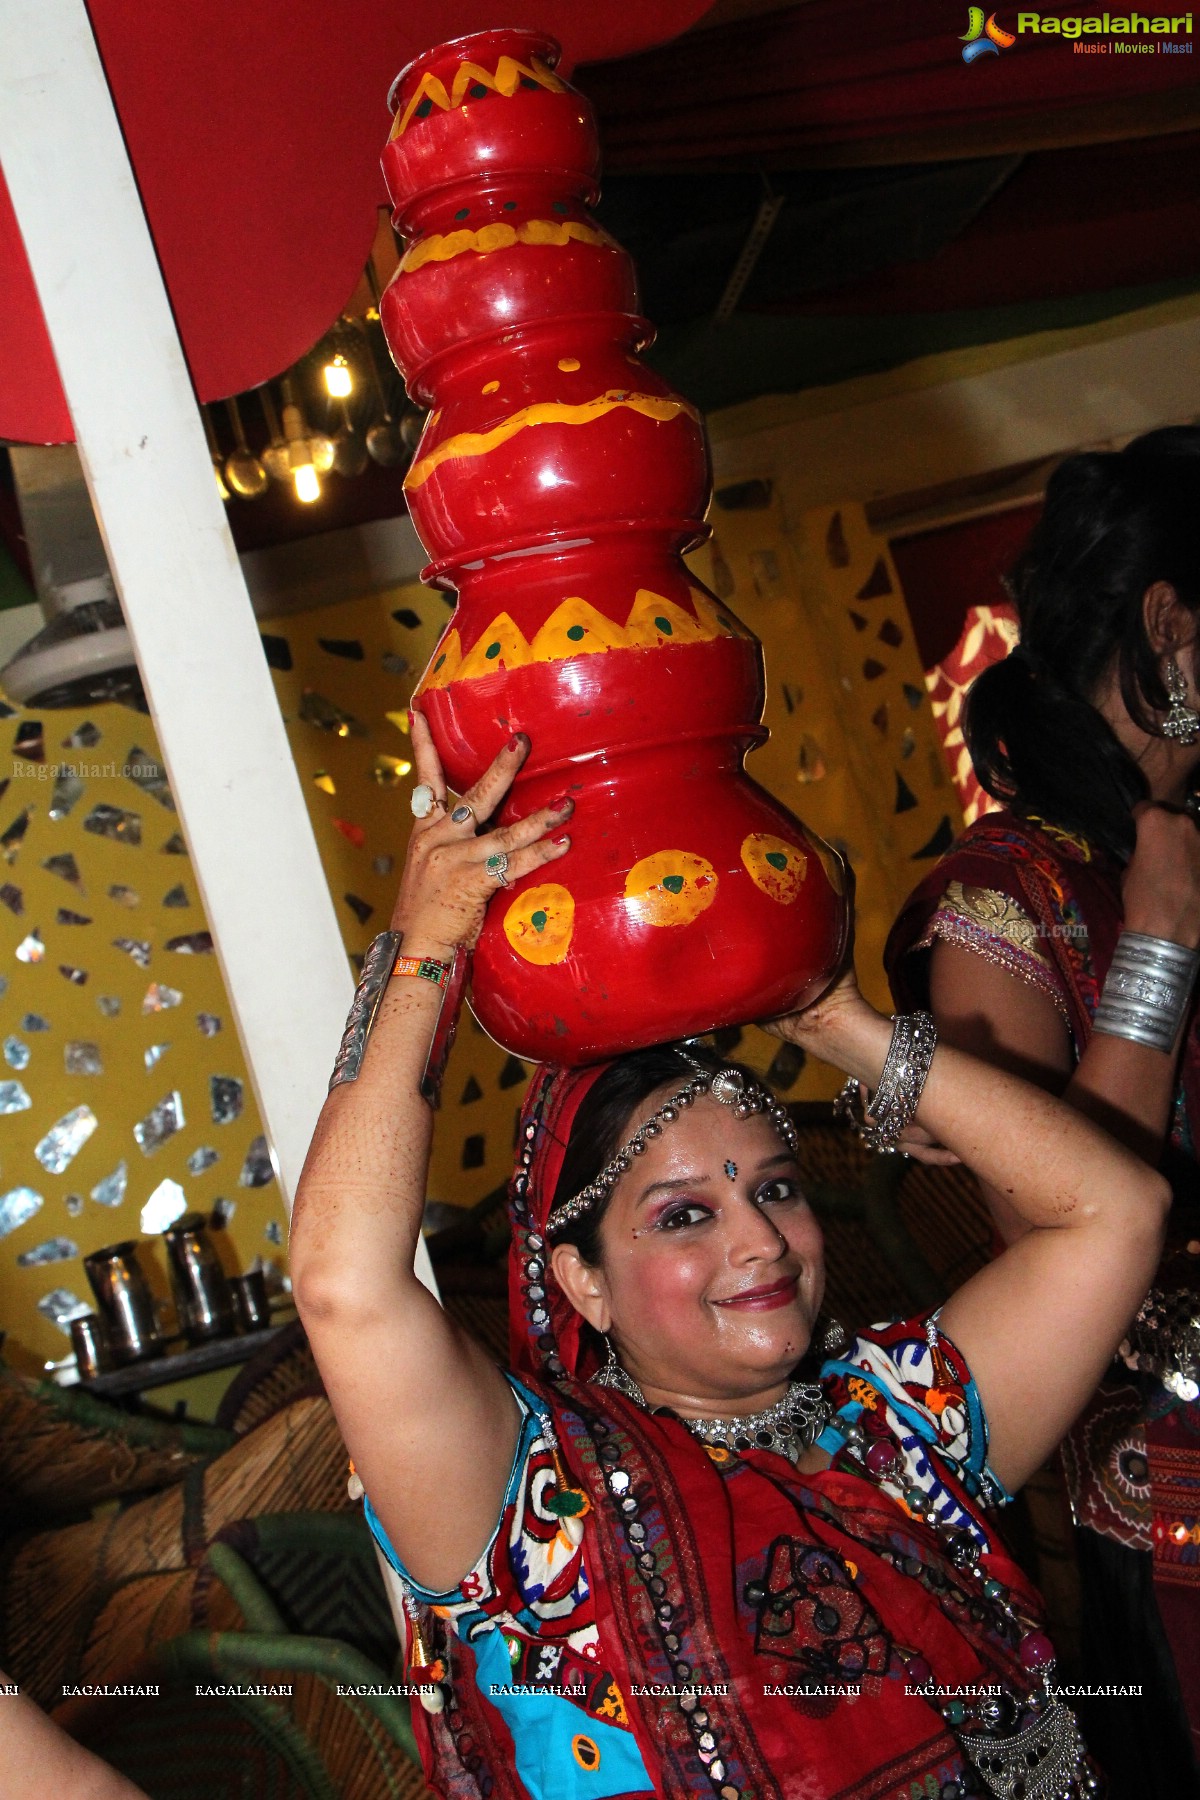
<point x="93" y="994"/>
<point x="351" y="669"/>
<point x="853" y="746"/>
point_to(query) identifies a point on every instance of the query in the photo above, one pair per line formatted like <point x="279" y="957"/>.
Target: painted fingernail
<point x="561" y="803"/>
<point x="562" y="842"/>
<point x="518" y="741"/>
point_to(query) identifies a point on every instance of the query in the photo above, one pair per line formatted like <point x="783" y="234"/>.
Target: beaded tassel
<point x="944" y="1390"/>
<point x="426" y="1672"/>
<point x="568" y="1503"/>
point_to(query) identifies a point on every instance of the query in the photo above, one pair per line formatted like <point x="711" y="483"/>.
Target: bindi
<point x="731" y="1170"/>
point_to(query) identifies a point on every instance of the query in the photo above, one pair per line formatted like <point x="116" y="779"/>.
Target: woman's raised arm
<point x="1038" y="1325"/>
<point x="430" y="1422"/>
<point x="981" y="1008"/>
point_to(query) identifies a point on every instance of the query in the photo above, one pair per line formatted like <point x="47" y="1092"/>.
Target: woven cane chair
<point x="313" y="1743"/>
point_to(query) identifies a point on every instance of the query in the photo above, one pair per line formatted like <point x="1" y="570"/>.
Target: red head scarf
<point x="545" y="1333"/>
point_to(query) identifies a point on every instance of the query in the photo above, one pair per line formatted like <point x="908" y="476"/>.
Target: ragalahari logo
<point x="983" y="37"/>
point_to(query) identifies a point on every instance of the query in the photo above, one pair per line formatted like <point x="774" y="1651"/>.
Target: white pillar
<point x="184" y="597"/>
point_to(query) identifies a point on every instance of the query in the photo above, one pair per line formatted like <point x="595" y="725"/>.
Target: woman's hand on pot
<point x="823" y="1020"/>
<point x="445" y="887"/>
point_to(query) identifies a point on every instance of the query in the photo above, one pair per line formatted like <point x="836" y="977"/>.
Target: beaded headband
<point x="727" y="1085"/>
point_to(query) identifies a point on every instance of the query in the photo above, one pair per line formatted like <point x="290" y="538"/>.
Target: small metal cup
<point x="124" y="1302"/>
<point x="250" y="1302"/>
<point x="89" y="1340"/>
<point x="201" y="1290"/>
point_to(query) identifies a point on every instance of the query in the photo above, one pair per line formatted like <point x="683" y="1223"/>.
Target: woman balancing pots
<point x="656" y="1557"/>
<point x="556" y="485"/>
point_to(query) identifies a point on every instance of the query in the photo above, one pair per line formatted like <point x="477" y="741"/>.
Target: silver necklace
<point x="787" y="1426"/>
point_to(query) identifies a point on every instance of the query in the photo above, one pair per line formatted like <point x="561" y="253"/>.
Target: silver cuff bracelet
<point x="901" y="1084"/>
<point x="378" y="964"/>
<point x="1147" y="991"/>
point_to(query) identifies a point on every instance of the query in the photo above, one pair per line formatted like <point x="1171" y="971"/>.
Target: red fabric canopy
<point x="843" y="81"/>
<point x="1079" y="221"/>
<point x="255" y="134"/>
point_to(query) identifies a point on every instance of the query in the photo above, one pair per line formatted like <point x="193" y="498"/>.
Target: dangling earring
<point x="610" y="1374"/>
<point x="610" y="1370"/>
<point x="832" y="1337"/>
<point x="1182" y="722"/>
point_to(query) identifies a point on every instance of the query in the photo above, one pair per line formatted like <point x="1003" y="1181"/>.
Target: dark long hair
<point x="1113" y="525"/>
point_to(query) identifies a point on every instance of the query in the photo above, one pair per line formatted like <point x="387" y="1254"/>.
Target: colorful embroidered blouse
<point x="526" y="1609"/>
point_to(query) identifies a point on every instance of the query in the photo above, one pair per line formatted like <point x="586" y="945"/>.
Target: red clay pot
<point x="555" y="487"/>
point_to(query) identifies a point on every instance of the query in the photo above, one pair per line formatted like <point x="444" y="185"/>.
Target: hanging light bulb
<point x="338" y="379"/>
<point x="307" y="483"/>
<point x="299" y="452"/>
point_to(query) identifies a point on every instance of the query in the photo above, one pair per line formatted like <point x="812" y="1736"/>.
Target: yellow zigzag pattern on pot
<point x="554" y="233"/>
<point x="660" y="407"/>
<point x="505" y="81"/>
<point x="576" y="628"/>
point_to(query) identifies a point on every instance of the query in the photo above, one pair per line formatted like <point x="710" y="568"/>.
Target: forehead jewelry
<point x="731" y="1170"/>
<point x="743" y="1095"/>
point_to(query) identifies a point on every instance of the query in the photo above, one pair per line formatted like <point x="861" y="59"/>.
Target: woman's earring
<point x="833" y="1337"/>
<point x="610" y="1370"/>
<point x="1182" y="722"/>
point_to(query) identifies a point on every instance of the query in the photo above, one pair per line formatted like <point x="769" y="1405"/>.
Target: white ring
<point x="423" y="800"/>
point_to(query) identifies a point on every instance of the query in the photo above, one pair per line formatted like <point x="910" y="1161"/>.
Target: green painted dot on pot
<point x="559" y="206"/>
<point x="510" y="206"/>
<point x="462" y="212"/>
<point x="538" y="920"/>
<point x="424" y="109"/>
<point x="777" y="859"/>
<point x="673" y="884"/>
<point x="492" y="652"/>
<point x="478" y="91"/>
<point x="664" y="625"/>
<point x="574" y="632"/>
<point x="437" y="665"/>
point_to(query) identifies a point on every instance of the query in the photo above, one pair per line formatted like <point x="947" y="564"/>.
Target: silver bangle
<point x="901" y="1084"/>
<point x="1147" y="991"/>
<point x="378" y="964"/>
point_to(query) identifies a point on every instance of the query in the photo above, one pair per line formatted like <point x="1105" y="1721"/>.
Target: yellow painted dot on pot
<point x="568" y="364"/>
<point x="774" y="865"/>
<point x="539" y="923"/>
<point x="672" y="887"/>
<point x="490" y="387"/>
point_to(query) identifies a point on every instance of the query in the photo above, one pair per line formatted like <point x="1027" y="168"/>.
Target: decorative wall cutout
<point x="116" y="822"/>
<point x="17" y="1207"/>
<point x="65" y="1139"/>
<point x="159" y="1124"/>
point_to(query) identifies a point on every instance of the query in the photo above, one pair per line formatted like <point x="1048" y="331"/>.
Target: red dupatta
<point x="725" y="1586"/>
